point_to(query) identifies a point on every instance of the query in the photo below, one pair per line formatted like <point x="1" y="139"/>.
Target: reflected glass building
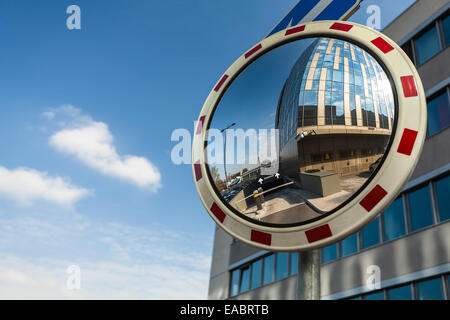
<point x="341" y="93"/>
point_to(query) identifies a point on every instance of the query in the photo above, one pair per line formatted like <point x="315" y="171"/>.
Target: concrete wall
<point x="219" y="275"/>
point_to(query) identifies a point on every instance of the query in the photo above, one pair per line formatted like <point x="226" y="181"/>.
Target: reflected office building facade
<point x="335" y="111"/>
<point x="409" y="243"/>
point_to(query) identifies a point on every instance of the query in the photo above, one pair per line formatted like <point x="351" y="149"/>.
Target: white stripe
<point x="318" y="8"/>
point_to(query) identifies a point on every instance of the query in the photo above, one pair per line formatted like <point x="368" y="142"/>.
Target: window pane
<point x="294" y="263"/>
<point x="427" y="45"/>
<point x="394" y="222"/>
<point x="371" y="234"/>
<point x="420" y="208"/>
<point x="256" y="274"/>
<point x="442" y="193"/>
<point x="282" y="265"/>
<point x="329" y="253"/>
<point x="349" y="245"/>
<point x="438" y="113"/>
<point x="245" y="278"/>
<point x="430" y="289"/>
<point x="400" y="293"/>
<point x="446" y="28"/>
<point x="375" y="296"/>
<point x="234" y="282"/>
<point x="268" y="269"/>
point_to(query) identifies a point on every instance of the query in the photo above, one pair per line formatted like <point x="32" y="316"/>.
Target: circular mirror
<point x="305" y="138"/>
<point x="300" y="131"/>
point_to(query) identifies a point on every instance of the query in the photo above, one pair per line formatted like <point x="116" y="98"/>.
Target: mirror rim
<point x="335" y="224"/>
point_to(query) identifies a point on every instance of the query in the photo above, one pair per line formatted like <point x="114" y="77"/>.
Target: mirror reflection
<point x="300" y="130"/>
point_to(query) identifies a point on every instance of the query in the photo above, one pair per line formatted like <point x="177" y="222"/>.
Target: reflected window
<point x="256" y="274"/>
<point x="427" y="45"/>
<point x="371" y="234"/>
<point x="329" y="253"/>
<point x="438" y="113"/>
<point x="234" y="282"/>
<point x="282" y="265"/>
<point x="400" y="293"/>
<point x="374" y="296"/>
<point x="245" y="280"/>
<point x="394" y="221"/>
<point x="442" y="192"/>
<point x="420" y="208"/>
<point x="294" y="263"/>
<point x="429" y="290"/>
<point x="349" y="245"/>
<point x="268" y="269"/>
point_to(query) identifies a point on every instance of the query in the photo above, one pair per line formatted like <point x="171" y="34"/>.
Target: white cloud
<point x="48" y="114"/>
<point x="27" y="185"/>
<point x="92" y="143"/>
<point x="116" y="261"/>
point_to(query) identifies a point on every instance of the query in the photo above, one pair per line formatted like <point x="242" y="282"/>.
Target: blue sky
<point x="86" y="118"/>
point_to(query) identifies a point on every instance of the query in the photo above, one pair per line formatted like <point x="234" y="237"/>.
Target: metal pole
<point x="224" y="153"/>
<point x="224" y="163"/>
<point x="308" y="278"/>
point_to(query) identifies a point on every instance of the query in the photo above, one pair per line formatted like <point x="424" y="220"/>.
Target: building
<point x="339" y="92"/>
<point x="410" y="241"/>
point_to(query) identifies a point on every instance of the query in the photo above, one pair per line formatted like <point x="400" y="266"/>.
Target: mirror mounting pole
<point x="308" y="277"/>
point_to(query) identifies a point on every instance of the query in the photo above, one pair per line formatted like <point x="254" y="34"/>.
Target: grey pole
<point x="308" y="278"/>
<point x="224" y="153"/>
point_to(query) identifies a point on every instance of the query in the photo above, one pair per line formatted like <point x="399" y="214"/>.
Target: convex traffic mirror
<point x="309" y="135"/>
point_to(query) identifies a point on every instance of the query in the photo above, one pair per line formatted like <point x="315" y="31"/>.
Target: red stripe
<point x="294" y="30"/>
<point x="221" y="82"/>
<point x="252" y="51"/>
<point x="198" y="171"/>
<point x="407" y="142"/>
<point x="382" y="44"/>
<point x="261" y="237"/>
<point x="318" y="233"/>
<point x="200" y="125"/>
<point x="220" y="215"/>
<point x="373" y="197"/>
<point x="409" y="86"/>
<point x="341" y="26"/>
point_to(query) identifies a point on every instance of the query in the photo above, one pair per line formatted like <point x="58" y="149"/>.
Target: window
<point x="282" y="265"/>
<point x="329" y="253"/>
<point x="349" y="245"/>
<point x="427" y="45"/>
<point x="268" y="269"/>
<point x="374" y="296"/>
<point x="256" y="274"/>
<point x="393" y="221"/>
<point x="245" y="279"/>
<point x="371" y="234"/>
<point x="442" y="187"/>
<point x="234" y="282"/>
<point x="420" y="208"/>
<point x="446" y="30"/>
<point x="294" y="263"/>
<point x="400" y="293"/>
<point x="429" y="290"/>
<point x="438" y="113"/>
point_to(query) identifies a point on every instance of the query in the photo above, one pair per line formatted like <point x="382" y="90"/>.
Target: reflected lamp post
<point x="224" y="152"/>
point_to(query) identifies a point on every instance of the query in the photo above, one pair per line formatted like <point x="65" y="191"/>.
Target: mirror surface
<point x="300" y="130"/>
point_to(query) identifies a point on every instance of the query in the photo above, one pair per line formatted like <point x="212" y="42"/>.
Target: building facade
<point x="408" y="245"/>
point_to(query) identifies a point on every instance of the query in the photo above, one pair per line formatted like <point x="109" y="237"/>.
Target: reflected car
<point x="374" y="165"/>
